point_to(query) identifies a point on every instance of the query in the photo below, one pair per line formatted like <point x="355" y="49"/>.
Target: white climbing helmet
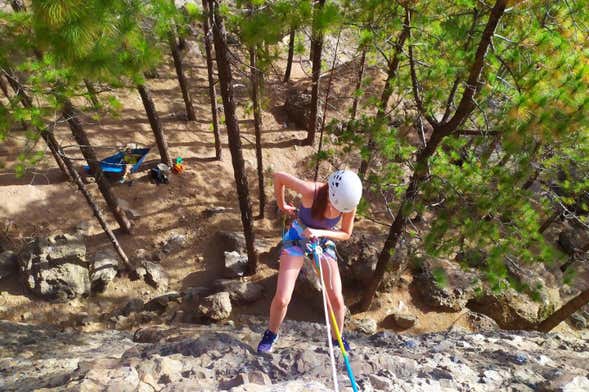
<point x="345" y="190"/>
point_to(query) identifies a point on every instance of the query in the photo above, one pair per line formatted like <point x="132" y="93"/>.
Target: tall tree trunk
<point x="211" y="76"/>
<point x="47" y="136"/>
<point x="182" y="78"/>
<point x="226" y="81"/>
<point x="316" y="49"/>
<point x="82" y="139"/>
<point x="97" y="213"/>
<point x="291" y="42"/>
<point x="255" y="79"/>
<point x="156" y="124"/>
<point x="420" y="171"/>
<point x="358" y="85"/>
<point x="385" y="96"/>
<point x="564" y="312"/>
<point x="92" y="94"/>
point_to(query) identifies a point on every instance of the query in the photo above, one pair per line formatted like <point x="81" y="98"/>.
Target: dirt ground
<point x="42" y="202"/>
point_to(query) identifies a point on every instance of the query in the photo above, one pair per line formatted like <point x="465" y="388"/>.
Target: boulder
<point x="298" y="106"/>
<point x="235" y="264"/>
<point x="401" y="320"/>
<point x="228" y="241"/>
<point x="481" y="323"/>
<point x="153" y="274"/>
<point x="160" y="303"/>
<point x="104" y="269"/>
<point x="453" y="294"/>
<point x="216" y="307"/>
<point x="174" y="243"/>
<point x="8" y="263"/>
<point x="366" y="326"/>
<point x="240" y="292"/>
<point x="510" y="309"/>
<point x="55" y="267"/>
<point x="361" y="255"/>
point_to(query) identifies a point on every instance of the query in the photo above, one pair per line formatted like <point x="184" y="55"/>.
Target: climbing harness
<point x="316" y="250"/>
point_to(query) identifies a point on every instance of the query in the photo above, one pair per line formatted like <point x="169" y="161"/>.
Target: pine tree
<point x="226" y="81"/>
<point x="211" y="77"/>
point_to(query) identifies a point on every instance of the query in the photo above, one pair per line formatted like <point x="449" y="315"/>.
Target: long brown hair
<point x="320" y="202"/>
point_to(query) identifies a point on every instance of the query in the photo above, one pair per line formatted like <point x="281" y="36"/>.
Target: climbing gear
<point x="295" y="244"/>
<point x="345" y="190"/>
<point x="159" y="173"/>
<point x="178" y="166"/>
<point x="317" y="258"/>
<point x="268" y="339"/>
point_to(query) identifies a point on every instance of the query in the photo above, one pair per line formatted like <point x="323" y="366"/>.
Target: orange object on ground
<point x="178" y="168"/>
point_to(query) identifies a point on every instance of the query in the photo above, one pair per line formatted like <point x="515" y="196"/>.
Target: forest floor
<point x="42" y="202"/>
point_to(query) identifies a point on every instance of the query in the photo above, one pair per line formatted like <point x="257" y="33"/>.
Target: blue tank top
<point x="307" y="218"/>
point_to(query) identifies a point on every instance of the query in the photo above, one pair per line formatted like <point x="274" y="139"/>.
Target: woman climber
<point x="323" y="206"/>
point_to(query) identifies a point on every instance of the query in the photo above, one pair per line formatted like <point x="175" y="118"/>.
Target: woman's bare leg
<point x="287" y="276"/>
<point x="333" y="287"/>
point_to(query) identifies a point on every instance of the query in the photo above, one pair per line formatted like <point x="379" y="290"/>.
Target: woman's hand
<point x="311" y="234"/>
<point x="289" y="210"/>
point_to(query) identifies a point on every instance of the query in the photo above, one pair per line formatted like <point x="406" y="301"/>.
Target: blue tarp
<point x="116" y="164"/>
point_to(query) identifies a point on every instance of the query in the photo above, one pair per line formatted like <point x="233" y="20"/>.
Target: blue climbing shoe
<point x="265" y="345"/>
<point x="345" y="343"/>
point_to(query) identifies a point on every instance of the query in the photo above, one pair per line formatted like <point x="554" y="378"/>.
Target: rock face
<point x="221" y="357"/>
<point x="55" y="267"/>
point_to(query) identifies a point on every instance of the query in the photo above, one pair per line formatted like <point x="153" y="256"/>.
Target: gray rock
<point x="255" y="377"/>
<point x="366" y="326"/>
<point x="209" y="212"/>
<point x="55" y="267"/>
<point x="132" y="306"/>
<point x="8" y="263"/>
<point x="578" y="320"/>
<point x="227" y="241"/>
<point x="153" y="273"/>
<point x="194" y="294"/>
<point x="216" y="307"/>
<point x="380" y="383"/>
<point x="401" y="320"/>
<point x="240" y="292"/>
<point x="174" y="242"/>
<point x="160" y="303"/>
<point x="104" y="269"/>
<point x="235" y="264"/>
<point x="216" y="356"/>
